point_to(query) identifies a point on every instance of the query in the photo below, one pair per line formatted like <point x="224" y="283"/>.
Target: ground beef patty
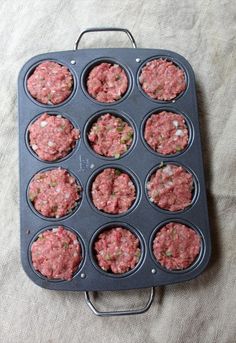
<point x="162" y="79"/>
<point x="52" y="137"/>
<point x="117" y="250"/>
<point x="113" y="191"/>
<point x="166" y="132"/>
<point x="107" y="82"/>
<point x="176" y="246"/>
<point x="54" y="193"/>
<point x="56" y="253"/>
<point x="50" y="83"/>
<point x="110" y="136"/>
<point x="170" y="187"/>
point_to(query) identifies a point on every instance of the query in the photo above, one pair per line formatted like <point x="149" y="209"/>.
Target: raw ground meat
<point x="166" y="132"/>
<point x="117" y="250"/>
<point x="162" y="79"/>
<point x="56" y="253"/>
<point x="54" y="193"/>
<point x="176" y="246"/>
<point x="113" y="191"/>
<point x="50" y="83"/>
<point x="52" y="137"/>
<point x="110" y="136"/>
<point x="107" y="82"/>
<point x="171" y="187"/>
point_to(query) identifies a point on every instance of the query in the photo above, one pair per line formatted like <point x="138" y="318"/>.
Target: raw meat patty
<point x="52" y="137"/>
<point x="107" y="82"/>
<point x="113" y="191"/>
<point x="110" y="136"/>
<point x="117" y="250"/>
<point x="166" y="132"/>
<point x="176" y="246"/>
<point x="162" y="79"/>
<point x="54" y="193"/>
<point x="170" y="187"/>
<point x="50" y="83"/>
<point x="56" y="253"/>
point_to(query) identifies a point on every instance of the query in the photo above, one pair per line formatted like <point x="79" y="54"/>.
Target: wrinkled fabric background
<point x="202" y="310"/>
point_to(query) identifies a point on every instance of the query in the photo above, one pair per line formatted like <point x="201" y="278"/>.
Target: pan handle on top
<point x="119" y="313"/>
<point x="99" y="29"/>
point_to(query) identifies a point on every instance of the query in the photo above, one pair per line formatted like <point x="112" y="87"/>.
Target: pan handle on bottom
<point x="99" y="29"/>
<point x="119" y="313"/>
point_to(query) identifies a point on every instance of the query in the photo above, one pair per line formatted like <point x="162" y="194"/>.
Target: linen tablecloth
<point x="202" y="310"/>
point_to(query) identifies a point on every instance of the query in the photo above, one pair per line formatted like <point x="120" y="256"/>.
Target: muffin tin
<point x="139" y="161"/>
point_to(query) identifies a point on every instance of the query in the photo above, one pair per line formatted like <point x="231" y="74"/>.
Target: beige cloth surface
<point x="200" y="311"/>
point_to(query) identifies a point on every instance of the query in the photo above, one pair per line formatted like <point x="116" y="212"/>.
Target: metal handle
<point x="119" y="313"/>
<point x="99" y="29"/>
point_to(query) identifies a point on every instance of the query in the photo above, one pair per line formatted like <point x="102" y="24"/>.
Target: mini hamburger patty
<point x="50" y="83"/>
<point x="113" y="191"/>
<point x="56" y="253"/>
<point x="176" y="246"/>
<point x="166" y="132"/>
<point x="171" y="187"/>
<point x="107" y="82"/>
<point x="110" y="136"/>
<point x="162" y="79"/>
<point x="54" y="193"/>
<point x="52" y="137"/>
<point x="117" y="250"/>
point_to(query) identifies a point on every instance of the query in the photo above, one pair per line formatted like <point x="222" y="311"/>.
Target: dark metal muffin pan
<point x="139" y="161"/>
